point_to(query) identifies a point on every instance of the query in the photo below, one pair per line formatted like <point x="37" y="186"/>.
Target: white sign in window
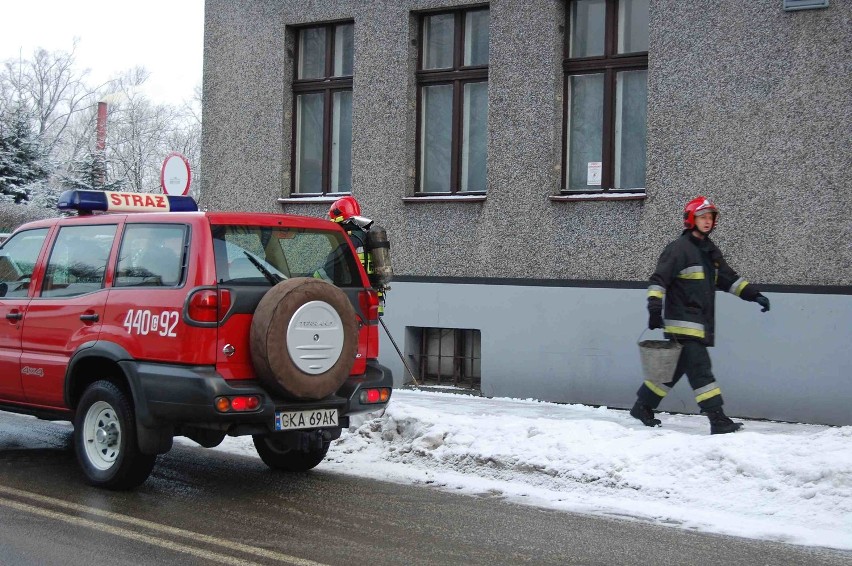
<point x="593" y="173"/>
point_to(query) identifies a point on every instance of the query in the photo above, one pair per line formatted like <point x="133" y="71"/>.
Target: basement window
<point x="449" y="357"/>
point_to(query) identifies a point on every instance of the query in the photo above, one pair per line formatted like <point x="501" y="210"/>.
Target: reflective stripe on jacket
<point x="685" y="281"/>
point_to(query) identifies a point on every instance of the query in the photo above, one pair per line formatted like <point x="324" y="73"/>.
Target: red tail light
<point x="240" y="404"/>
<point x="208" y="305"/>
<point x="371" y="396"/>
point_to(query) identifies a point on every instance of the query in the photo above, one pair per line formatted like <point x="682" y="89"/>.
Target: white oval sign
<point x="176" y="174"/>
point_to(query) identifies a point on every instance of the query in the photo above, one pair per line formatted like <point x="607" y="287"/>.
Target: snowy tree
<point x="60" y="107"/>
<point x="141" y="134"/>
<point x="52" y="89"/>
<point x="22" y="159"/>
<point x="89" y="173"/>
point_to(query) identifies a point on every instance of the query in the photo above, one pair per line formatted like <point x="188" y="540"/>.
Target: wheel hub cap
<point x="106" y="435"/>
<point x="102" y="435"/>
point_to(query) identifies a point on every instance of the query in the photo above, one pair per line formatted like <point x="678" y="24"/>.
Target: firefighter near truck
<point x="141" y="318"/>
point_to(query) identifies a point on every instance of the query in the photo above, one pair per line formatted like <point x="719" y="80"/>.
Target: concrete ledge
<point x="597" y="196"/>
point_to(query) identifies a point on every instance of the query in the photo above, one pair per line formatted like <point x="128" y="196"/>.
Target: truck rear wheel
<point x="105" y="439"/>
<point x="304" y="338"/>
<point x="280" y="456"/>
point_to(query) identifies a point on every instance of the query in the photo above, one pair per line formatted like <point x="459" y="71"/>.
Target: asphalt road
<point x="207" y="507"/>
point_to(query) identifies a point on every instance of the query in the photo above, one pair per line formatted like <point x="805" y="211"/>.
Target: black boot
<point x="645" y="414"/>
<point x="719" y="423"/>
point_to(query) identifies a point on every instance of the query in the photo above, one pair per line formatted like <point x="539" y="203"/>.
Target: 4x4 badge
<point x="27" y="370"/>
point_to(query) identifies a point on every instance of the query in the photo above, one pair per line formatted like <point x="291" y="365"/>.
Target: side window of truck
<point x="18" y="257"/>
<point x="78" y="260"/>
<point x="151" y="255"/>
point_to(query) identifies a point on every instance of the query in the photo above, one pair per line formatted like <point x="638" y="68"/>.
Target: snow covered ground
<point x="776" y="481"/>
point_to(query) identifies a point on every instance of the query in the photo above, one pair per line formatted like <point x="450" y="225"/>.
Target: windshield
<point x="262" y="255"/>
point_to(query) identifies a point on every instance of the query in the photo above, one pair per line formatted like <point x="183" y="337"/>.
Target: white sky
<point x="165" y="37"/>
<point x="783" y="482"/>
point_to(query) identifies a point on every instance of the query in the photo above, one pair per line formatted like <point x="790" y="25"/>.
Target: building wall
<point x="744" y="105"/>
<point x="570" y="344"/>
<point x="748" y="104"/>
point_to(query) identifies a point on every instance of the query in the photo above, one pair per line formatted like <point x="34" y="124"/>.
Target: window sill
<point x="445" y="198"/>
<point x="597" y="197"/>
<point x="321" y="199"/>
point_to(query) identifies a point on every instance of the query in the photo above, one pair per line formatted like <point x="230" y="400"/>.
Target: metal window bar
<point x="451" y="356"/>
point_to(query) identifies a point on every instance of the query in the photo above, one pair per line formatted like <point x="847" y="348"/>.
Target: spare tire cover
<point x="304" y="338"/>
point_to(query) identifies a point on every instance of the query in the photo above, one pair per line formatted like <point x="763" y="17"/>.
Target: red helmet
<point x="344" y="208"/>
<point x="696" y="207"/>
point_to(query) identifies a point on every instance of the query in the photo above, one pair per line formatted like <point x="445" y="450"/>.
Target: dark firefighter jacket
<point x="359" y="242"/>
<point x="686" y="278"/>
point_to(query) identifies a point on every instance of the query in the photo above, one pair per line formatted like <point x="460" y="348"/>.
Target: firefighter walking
<point x="681" y="301"/>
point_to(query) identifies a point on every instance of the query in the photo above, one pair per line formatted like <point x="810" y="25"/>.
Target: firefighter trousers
<point x="694" y="361"/>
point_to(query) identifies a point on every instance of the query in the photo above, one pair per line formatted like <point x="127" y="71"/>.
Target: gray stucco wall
<point x="747" y="103"/>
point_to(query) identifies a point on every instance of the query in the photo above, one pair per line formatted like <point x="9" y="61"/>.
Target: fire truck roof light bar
<point x="88" y="202"/>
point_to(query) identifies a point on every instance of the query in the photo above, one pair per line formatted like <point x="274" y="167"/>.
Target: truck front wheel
<point x="105" y="439"/>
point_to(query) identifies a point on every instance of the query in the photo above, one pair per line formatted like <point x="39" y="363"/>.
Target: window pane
<point x="475" y="136"/>
<point x="588" y="24"/>
<point x="311" y="53"/>
<point x="585" y="129"/>
<point x="151" y="255"/>
<point x="440" y="353"/>
<point x="244" y="252"/>
<point x="436" y="138"/>
<point x="341" y="142"/>
<point x="309" y="134"/>
<point x="473" y="355"/>
<point x="476" y="38"/>
<point x="17" y="262"/>
<point x="438" y="39"/>
<point x="631" y="97"/>
<point x="632" y="26"/>
<point x="78" y="260"/>
<point x="432" y="353"/>
<point x="343" y="50"/>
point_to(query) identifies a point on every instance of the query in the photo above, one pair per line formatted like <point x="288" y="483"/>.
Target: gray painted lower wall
<point x="579" y="345"/>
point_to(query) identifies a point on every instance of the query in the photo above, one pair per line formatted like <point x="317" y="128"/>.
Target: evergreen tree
<point x="88" y="172"/>
<point x="22" y="159"/>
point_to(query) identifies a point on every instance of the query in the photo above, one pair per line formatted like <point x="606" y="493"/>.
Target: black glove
<point x="655" y="319"/>
<point x="762" y="301"/>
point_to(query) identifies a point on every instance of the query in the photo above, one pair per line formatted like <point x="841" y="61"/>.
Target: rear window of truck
<point x="263" y="255"/>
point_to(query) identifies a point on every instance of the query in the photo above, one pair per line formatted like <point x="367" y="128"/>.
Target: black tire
<point x="279" y="457"/>
<point x="105" y="439"/>
<point x="271" y="326"/>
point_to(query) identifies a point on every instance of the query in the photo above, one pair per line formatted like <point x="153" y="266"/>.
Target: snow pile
<point x="790" y="483"/>
<point x="777" y="481"/>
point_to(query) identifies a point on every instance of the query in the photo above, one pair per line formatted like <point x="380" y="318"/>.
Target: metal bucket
<point x="659" y="359"/>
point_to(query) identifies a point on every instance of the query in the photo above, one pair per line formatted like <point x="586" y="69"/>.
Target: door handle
<point x="89" y="317"/>
<point x="15" y="315"/>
